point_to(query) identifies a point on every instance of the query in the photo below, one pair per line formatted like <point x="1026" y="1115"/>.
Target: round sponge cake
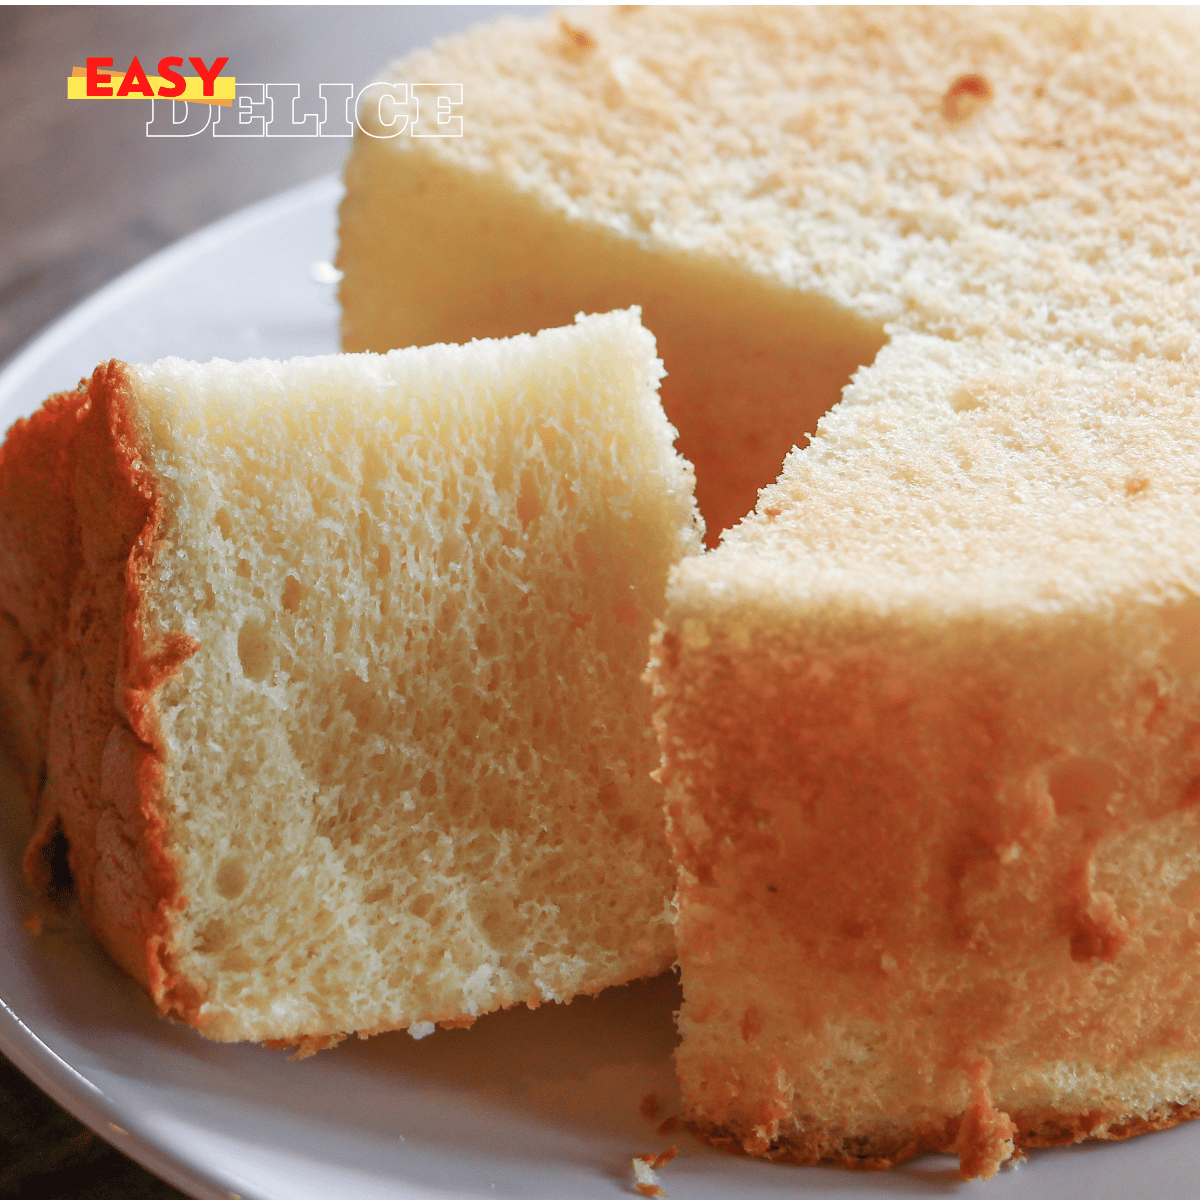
<point x="930" y="716"/>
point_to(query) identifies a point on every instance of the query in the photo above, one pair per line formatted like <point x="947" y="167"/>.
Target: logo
<point x="97" y="81"/>
<point x="187" y="106"/>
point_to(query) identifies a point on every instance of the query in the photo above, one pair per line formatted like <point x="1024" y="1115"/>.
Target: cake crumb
<point x="306" y="1047"/>
<point x="645" y="1181"/>
<point x="670" y="1125"/>
<point x="644" y="1165"/>
<point x="650" y="1107"/>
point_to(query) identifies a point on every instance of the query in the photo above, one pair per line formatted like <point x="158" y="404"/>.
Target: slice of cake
<point x="929" y="717"/>
<point x="932" y="757"/>
<point x="346" y="729"/>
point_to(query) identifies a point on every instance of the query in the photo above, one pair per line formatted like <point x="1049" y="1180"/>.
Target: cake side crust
<point x="888" y="950"/>
<point x="39" y="546"/>
<point x="373" y="770"/>
<point x="879" y="1151"/>
<point x="103" y="784"/>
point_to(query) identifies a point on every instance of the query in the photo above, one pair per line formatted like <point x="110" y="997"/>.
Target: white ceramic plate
<point x="524" y="1105"/>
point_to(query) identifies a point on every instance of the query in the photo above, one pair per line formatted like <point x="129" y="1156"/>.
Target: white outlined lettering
<point x="240" y="119"/>
<point x="372" y="101"/>
<point x="280" y="110"/>
<point x="283" y="123"/>
<point x="178" y="118"/>
<point x="337" y="122"/>
<point x="434" y="102"/>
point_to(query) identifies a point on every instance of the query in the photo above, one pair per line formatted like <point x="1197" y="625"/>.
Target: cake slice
<point x="932" y="758"/>
<point x="347" y="732"/>
<point x="928" y="717"/>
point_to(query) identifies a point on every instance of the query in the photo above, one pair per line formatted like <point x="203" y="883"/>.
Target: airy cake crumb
<point x="644" y="1167"/>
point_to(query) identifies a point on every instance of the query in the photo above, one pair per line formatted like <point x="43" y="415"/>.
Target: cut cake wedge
<point x="932" y="760"/>
<point x="344" y="730"/>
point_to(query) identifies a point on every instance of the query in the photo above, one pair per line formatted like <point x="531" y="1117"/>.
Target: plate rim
<point x="68" y="1087"/>
<point x="31" y="354"/>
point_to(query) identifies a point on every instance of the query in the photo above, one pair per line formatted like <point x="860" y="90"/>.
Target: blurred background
<point x="84" y="195"/>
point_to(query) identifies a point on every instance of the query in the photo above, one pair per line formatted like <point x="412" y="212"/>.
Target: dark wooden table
<point x="84" y="195"/>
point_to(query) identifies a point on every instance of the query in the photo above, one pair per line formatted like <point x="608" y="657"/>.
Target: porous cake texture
<point x="932" y="756"/>
<point x="929" y="717"/>
<point x="347" y="732"/>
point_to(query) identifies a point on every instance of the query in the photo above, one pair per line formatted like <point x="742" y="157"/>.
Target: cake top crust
<point x="1010" y="191"/>
<point x="825" y="148"/>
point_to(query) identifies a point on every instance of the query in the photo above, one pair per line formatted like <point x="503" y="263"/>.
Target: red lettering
<point x="208" y="74"/>
<point x="95" y="79"/>
<point x="166" y="69"/>
<point x="135" y="81"/>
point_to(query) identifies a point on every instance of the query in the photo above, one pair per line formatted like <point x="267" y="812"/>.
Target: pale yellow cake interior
<point x="407" y="772"/>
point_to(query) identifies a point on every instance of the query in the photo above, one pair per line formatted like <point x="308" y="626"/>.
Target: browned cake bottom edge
<point x="880" y="1150"/>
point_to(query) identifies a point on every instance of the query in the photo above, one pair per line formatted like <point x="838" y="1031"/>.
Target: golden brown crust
<point x="39" y="546"/>
<point x="1051" y="1128"/>
<point x="103" y="754"/>
<point x="306" y="1047"/>
<point x="880" y="1151"/>
<point x="145" y="662"/>
<point x="811" y="1147"/>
